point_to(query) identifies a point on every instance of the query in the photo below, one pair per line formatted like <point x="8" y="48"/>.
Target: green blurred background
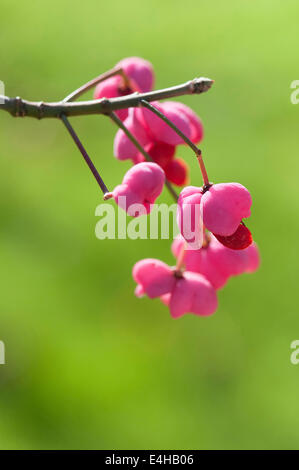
<point x="88" y="364"/>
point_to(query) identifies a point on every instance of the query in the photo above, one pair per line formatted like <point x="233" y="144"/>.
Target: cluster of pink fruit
<point x="156" y="137"/>
<point x="225" y="247"/>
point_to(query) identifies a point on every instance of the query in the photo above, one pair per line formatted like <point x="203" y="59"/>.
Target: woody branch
<point x="19" y="107"/>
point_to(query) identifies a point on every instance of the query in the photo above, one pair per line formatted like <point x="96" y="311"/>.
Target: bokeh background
<point x="89" y="366"/>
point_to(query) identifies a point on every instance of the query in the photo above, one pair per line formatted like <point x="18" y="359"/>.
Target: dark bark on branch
<point x="18" y="107"/>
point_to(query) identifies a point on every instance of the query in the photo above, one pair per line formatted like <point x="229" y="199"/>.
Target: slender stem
<point x="195" y="149"/>
<point x="87" y="159"/>
<point x="171" y="190"/>
<point x="203" y="170"/>
<point x="121" y="125"/>
<point x="40" y="110"/>
<point x="162" y="116"/>
<point x="75" y="94"/>
<point x="92" y="83"/>
<point x="181" y="257"/>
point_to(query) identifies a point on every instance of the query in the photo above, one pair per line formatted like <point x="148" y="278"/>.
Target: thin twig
<point x="92" y="83"/>
<point x="194" y="147"/>
<point x="121" y="125"/>
<point x="86" y="157"/>
<point x="40" y="110"/>
<point x="75" y="94"/>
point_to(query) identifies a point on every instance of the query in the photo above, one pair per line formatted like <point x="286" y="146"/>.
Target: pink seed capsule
<point x="139" y="71"/>
<point x="141" y="185"/>
<point x="160" y="130"/>
<point x="224" y="207"/>
<point x="185" y="293"/>
<point x="221" y="208"/>
<point x="141" y="78"/>
<point x="217" y="262"/>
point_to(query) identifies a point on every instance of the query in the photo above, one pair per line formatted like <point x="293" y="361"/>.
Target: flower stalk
<point x="148" y="158"/>
<point x="86" y="157"/>
<point x="195" y="149"/>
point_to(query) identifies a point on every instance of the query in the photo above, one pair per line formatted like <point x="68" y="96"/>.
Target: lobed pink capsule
<point x="220" y="208"/>
<point x="141" y="185"/>
<point x="141" y="76"/>
<point x="188" y="292"/>
<point x="217" y="262"/>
